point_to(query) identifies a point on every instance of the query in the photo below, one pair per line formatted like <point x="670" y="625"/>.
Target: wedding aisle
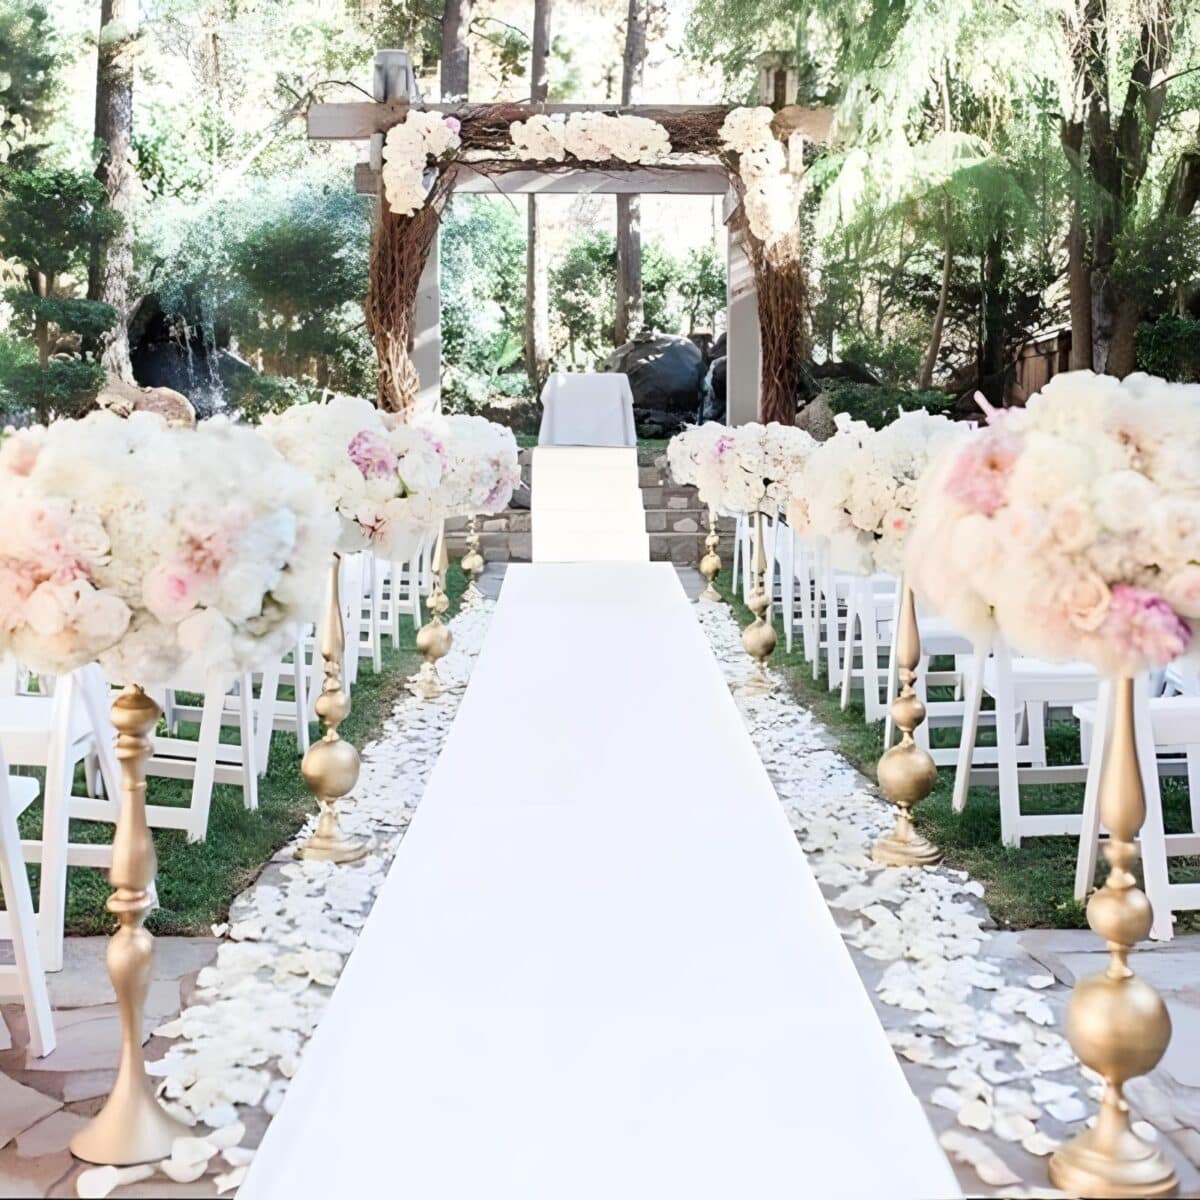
<point x="597" y="969"/>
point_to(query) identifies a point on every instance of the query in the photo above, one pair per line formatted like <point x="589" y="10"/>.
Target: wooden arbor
<point x="395" y="91"/>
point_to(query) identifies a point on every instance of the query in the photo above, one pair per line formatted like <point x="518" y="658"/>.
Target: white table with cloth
<point x="600" y="967"/>
<point x="587" y="410"/>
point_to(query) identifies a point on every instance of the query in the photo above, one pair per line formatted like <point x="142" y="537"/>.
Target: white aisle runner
<point x="599" y="968"/>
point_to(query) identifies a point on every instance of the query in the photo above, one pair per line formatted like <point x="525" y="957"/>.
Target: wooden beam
<point x="689" y="179"/>
<point x="359" y="119"/>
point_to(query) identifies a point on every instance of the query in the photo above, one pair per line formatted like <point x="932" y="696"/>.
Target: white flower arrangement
<point x="481" y="466"/>
<point x="747" y="468"/>
<point x="380" y="476"/>
<point x="1072" y="525"/>
<point x="144" y="546"/>
<point x="591" y="137"/>
<point x="859" y="490"/>
<point x="407" y="150"/>
<point x="691" y="447"/>
<point x="770" y="195"/>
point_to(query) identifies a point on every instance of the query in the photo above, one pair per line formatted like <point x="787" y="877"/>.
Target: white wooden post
<point x="743" y="368"/>
<point x="427" y="332"/>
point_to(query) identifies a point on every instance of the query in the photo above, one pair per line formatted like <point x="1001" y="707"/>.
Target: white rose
<point x="1122" y="500"/>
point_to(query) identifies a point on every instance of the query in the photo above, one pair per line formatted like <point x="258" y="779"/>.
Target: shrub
<point x="879" y="405"/>
<point x="1170" y="347"/>
<point x="65" y="387"/>
<point x="256" y="395"/>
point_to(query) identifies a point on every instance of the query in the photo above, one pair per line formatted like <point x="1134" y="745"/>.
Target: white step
<point x="585" y="521"/>
<point x="592" y="547"/>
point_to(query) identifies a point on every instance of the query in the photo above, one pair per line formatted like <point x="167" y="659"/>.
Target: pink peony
<point x="453" y="124"/>
<point x="372" y="455"/>
<point x="169" y="592"/>
<point x="19" y="453"/>
<point x="723" y="445"/>
<point x="1141" y="623"/>
<point x="981" y="471"/>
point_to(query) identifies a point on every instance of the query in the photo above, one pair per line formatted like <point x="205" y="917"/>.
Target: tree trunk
<point x="630" y="313"/>
<point x="630" y="306"/>
<point x="994" y="373"/>
<point x="925" y="378"/>
<point x="456" y="53"/>
<point x="112" y="260"/>
<point x="1122" y="348"/>
<point x="537" y="268"/>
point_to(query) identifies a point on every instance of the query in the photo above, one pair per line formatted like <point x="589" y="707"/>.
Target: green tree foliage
<point x="30" y="55"/>
<point x="483" y="298"/>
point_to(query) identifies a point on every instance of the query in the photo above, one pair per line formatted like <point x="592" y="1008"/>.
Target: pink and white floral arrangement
<point x="1072" y="525"/>
<point x="740" y="468"/>
<point x="859" y="489"/>
<point x="481" y="467"/>
<point x="408" y="149"/>
<point x="145" y="546"/>
<point x="380" y="476"/>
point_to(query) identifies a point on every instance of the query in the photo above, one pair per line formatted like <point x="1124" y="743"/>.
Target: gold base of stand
<point x="131" y="1128"/>
<point x="1124" y="1167"/>
<point x="913" y="851"/>
<point x="472" y="596"/>
<point x="710" y="595"/>
<point x="426" y="684"/>
<point x="335" y="849"/>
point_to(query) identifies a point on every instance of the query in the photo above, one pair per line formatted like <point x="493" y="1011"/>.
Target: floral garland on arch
<point x="859" y="489"/>
<point x="425" y="152"/>
<point x="379" y="476"/>
<point x="1072" y="524"/>
<point x="144" y="546"/>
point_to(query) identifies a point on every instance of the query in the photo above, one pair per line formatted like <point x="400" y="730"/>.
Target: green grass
<point x="1025" y="888"/>
<point x="197" y="883"/>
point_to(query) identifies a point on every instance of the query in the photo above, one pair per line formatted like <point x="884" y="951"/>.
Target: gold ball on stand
<point x="1116" y="1022"/>
<point x="906" y="772"/>
<point x="710" y="563"/>
<point x="433" y="641"/>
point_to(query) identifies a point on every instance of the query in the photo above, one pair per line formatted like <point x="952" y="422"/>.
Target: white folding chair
<point x="833" y="594"/>
<point x="205" y="760"/>
<point x="56" y="733"/>
<point x="1023" y="689"/>
<point x="18" y="921"/>
<point x="804" y="571"/>
<point x="1167" y="729"/>
<point x="870" y="616"/>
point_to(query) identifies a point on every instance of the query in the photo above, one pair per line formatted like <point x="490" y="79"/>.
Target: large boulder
<point x="123" y="398"/>
<point x="173" y="354"/>
<point x="668" y="377"/>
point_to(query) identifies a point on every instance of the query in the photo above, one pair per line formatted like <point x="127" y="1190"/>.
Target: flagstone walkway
<point x="973" y="1012"/>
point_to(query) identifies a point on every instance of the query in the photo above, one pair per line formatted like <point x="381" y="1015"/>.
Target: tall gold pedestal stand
<point x="907" y="773"/>
<point x="710" y="564"/>
<point x="759" y="636"/>
<point x="433" y="638"/>
<point x="132" y="1127"/>
<point x="1116" y="1022"/>
<point x="472" y="566"/>
<point x="330" y="765"/>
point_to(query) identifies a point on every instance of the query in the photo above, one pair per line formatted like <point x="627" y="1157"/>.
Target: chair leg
<point x="1006" y="751"/>
<point x="869" y="620"/>
<point x="250" y="741"/>
<point x="972" y="701"/>
<point x="264" y="714"/>
<point x="1089" y="833"/>
<point x="376" y="575"/>
<point x="56" y="815"/>
<point x="206" y="761"/>
<point x="24" y="929"/>
<point x="853" y="603"/>
<point x="1193" y="779"/>
<point x="94" y="692"/>
<point x="300" y="687"/>
<point x="1036" y="726"/>
<point x="1153" y="838"/>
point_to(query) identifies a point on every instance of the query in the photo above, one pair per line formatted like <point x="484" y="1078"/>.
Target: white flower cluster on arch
<point x="590" y="137"/>
<point x="407" y="150"/>
<point x="770" y="196"/>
